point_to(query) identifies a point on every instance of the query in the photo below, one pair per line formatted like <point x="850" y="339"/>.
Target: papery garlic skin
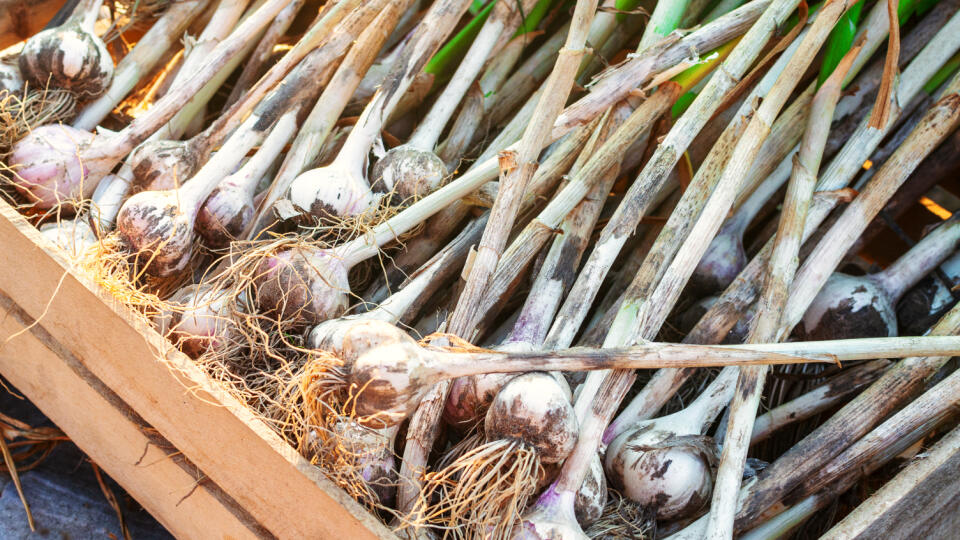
<point x="48" y="167"/>
<point x="68" y="57"/>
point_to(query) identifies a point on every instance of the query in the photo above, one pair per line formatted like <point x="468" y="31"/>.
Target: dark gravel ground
<point x="64" y="496"/>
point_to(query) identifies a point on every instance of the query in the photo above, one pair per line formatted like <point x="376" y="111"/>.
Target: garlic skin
<point x="160" y="165"/>
<point x="924" y="303"/>
<point x="306" y="286"/>
<point x="371" y="451"/>
<point x="158" y="231"/>
<point x="470" y="398"/>
<point x="592" y="495"/>
<point x="69" y="57"/>
<point x="720" y="265"/>
<point x="409" y="173"/>
<point x="672" y="480"/>
<point x="552" y="517"/>
<point x="332" y="191"/>
<point x="850" y="307"/>
<point x="72" y="235"/>
<point x="48" y="168"/>
<point x="202" y="321"/>
<point x="224" y="215"/>
<point x="534" y="409"/>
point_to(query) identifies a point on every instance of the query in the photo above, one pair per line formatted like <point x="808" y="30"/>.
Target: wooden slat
<point x="144" y="463"/>
<point x="922" y="501"/>
<point x="252" y="464"/>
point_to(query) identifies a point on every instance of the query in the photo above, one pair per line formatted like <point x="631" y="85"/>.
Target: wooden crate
<point x="192" y="455"/>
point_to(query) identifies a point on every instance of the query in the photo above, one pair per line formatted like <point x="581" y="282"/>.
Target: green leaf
<point x="942" y="74"/>
<point x="625" y="5"/>
<point x="444" y="62"/>
<point x="923" y="6"/>
<point x="532" y="19"/>
<point x="840" y="41"/>
<point x="683" y="102"/>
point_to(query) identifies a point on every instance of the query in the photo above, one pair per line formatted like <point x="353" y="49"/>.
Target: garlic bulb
<point x="70" y="56"/>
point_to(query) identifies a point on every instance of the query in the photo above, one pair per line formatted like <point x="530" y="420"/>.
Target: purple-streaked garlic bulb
<point x="371" y="451"/>
<point x="48" y="168"/>
<point x="662" y="463"/>
<point x="303" y="283"/>
<point x="470" y="397"/>
<point x="157" y="227"/>
<point x="162" y="164"/>
<point x="337" y="190"/>
<point x="201" y="320"/>
<point x="534" y="409"/>
<point x="389" y="371"/>
<point x="923" y="304"/>
<point x="592" y="495"/>
<point x="225" y="215"/>
<point x="70" y="56"/>
<point x="652" y="466"/>
<point x="552" y="517"/>
<point x="341" y="189"/>
<point x="865" y="306"/>
<point x="229" y="209"/>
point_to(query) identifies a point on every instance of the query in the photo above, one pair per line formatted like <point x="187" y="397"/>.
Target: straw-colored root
<point x="622" y="518"/>
<point x="481" y="494"/>
<point x="21" y="113"/>
<point x="111" y="266"/>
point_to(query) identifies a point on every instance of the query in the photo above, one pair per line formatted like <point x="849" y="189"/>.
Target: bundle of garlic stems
<point x="264" y="50"/>
<point x="857" y="148"/>
<point x="149" y="51"/>
<point x="295" y="193"/>
<point x="841" y="433"/>
<point x="610" y="86"/>
<point x="647" y="307"/>
<point x="834" y="177"/>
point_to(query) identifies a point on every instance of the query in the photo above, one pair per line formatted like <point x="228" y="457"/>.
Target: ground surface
<point x="64" y="495"/>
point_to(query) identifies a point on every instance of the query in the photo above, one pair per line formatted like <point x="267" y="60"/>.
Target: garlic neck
<point x="86" y="14"/>
<point x="922" y="258"/>
<point x="704" y="410"/>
